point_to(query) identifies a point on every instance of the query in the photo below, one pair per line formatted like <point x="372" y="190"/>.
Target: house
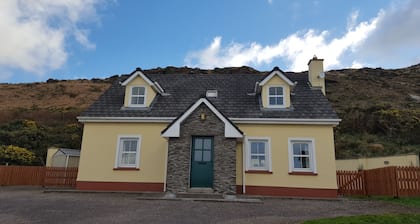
<point x="60" y="157"/>
<point x="366" y="163"/>
<point x="256" y="134"/>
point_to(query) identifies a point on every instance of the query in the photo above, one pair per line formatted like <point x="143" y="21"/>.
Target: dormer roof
<point x="139" y="73"/>
<point x="276" y="72"/>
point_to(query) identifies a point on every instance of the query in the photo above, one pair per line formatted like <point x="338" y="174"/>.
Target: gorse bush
<point x="15" y="155"/>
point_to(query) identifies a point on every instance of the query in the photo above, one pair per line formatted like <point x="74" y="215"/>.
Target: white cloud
<point x="363" y="43"/>
<point x="34" y="34"/>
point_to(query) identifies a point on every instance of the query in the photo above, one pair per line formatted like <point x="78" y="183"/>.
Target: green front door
<point x="202" y="162"/>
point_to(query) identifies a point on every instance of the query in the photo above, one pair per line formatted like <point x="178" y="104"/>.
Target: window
<point x="301" y="155"/>
<point x="276" y="96"/>
<point x="258" y="154"/>
<point x="138" y="96"/>
<point x="128" y="152"/>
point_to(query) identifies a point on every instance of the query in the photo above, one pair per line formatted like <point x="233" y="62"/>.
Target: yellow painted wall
<point x="138" y="81"/>
<point x="275" y="80"/>
<point x="324" y="149"/>
<point x="100" y="144"/>
<point x="99" y="147"/>
<point x="377" y="162"/>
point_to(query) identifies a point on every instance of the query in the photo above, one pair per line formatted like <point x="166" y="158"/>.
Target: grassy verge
<point x="409" y="201"/>
<point x="370" y="219"/>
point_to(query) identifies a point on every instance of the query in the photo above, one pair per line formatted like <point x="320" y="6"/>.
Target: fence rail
<point x="388" y="181"/>
<point x="38" y="176"/>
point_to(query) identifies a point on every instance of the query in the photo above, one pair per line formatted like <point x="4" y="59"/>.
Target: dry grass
<point x="61" y="94"/>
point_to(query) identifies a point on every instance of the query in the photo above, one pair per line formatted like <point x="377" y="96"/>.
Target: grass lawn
<point x="370" y="219"/>
<point x="378" y="219"/>
<point x="412" y="201"/>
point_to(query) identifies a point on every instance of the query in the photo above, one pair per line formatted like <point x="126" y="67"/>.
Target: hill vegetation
<point x="379" y="108"/>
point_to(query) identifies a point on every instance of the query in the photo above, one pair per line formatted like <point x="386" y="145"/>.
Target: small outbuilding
<point x="60" y="157"/>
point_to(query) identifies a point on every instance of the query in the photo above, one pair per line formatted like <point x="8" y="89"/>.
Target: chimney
<point x="316" y="75"/>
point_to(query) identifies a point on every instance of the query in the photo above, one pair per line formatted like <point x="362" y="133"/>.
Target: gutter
<point x="234" y="120"/>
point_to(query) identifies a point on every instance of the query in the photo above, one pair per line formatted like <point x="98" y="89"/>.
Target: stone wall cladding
<point x="224" y="156"/>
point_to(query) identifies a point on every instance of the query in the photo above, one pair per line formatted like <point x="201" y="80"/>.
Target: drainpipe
<point x="165" y="172"/>
<point x="243" y="164"/>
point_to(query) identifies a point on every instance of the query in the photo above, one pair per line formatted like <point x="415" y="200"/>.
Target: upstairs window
<point x="276" y="96"/>
<point x="138" y="96"/>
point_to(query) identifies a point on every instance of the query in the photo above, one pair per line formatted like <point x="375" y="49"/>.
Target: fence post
<point x="364" y="183"/>
<point x="396" y="187"/>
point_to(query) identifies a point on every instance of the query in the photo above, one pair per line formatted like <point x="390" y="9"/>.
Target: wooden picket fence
<point x="38" y="176"/>
<point x="388" y="181"/>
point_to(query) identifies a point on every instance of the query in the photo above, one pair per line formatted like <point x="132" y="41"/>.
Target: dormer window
<point x="138" y="96"/>
<point x="276" y="96"/>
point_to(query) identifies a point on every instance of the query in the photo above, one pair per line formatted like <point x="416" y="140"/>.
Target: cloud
<point x="363" y="43"/>
<point x="396" y="40"/>
<point x="34" y="35"/>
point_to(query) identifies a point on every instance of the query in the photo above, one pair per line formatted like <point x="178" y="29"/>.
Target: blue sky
<point x="69" y="39"/>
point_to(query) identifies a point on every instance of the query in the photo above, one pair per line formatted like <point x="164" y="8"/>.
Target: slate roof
<point x="234" y="99"/>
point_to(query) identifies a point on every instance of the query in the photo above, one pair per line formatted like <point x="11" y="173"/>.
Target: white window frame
<point x="119" y="152"/>
<point x="267" y="167"/>
<point x="312" y="155"/>
<point x="283" y="95"/>
<point x="131" y="96"/>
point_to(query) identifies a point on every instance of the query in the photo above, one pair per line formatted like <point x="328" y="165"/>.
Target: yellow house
<point x="255" y="134"/>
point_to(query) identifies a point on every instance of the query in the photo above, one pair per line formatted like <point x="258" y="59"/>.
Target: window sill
<point x="259" y="171"/>
<point x="126" y="168"/>
<point x="303" y="173"/>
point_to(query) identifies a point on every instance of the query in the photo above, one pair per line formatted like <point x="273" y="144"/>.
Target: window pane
<point x="305" y="162"/>
<point x="254" y="147"/>
<point x="198" y="144"/>
<point x="254" y="161"/>
<point x="296" y="162"/>
<point x="261" y="148"/>
<point x="279" y="100"/>
<point x="272" y="100"/>
<point x="261" y="160"/>
<point x="272" y="91"/>
<point x="135" y="91"/>
<point x="141" y="90"/>
<point x="275" y="91"/>
<point x="198" y="155"/>
<point x="296" y="149"/>
<point x="137" y="100"/>
<point x="128" y="159"/>
<point x="206" y="156"/>
<point x="129" y="146"/>
<point x="207" y="144"/>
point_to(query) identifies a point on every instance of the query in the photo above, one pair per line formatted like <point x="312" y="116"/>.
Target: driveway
<point x="31" y="205"/>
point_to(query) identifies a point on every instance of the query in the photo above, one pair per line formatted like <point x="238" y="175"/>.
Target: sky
<point x="72" y="39"/>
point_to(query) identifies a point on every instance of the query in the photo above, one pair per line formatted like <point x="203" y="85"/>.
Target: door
<point x="202" y="162"/>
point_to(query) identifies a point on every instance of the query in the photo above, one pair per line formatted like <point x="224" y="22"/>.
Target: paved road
<point x="29" y="205"/>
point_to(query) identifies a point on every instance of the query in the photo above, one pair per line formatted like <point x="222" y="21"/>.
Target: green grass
<point x="370" y="219"/>
<point x="409" y="201"/>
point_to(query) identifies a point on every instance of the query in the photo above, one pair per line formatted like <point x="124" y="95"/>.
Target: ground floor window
<point x="302" y="155"/>
<point x="258" y="154"/>
<point x="128" y="152"/>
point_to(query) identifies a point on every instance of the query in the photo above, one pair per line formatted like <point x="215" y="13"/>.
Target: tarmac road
<point x="31" y="205"/>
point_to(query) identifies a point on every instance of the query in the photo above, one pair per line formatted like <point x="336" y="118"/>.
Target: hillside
<point x="380" y="109"/>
